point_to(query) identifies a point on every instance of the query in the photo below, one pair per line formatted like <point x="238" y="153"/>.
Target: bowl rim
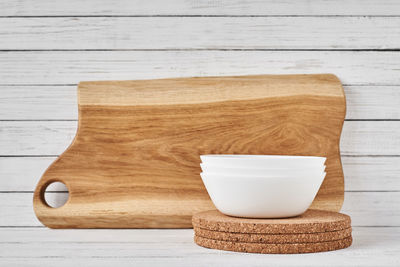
<point x="248" y="156"/>
<point x="321" y="175"/>
<point x="232" y="168"/>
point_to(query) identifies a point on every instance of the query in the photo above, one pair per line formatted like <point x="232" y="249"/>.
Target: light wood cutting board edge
<point x="85" y="89"/>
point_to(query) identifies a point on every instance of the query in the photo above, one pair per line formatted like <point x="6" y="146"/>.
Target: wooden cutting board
<point x="134" y="162"/>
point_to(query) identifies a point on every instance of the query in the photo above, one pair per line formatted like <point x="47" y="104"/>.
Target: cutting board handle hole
<point x="56" y="194"/>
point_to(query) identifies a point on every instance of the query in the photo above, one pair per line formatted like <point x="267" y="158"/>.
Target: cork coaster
<point x="293" y="248"/>
<point x="273" y="238"/>
<point x="312" y="221"/>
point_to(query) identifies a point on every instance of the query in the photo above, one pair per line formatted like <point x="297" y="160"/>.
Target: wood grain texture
<point x="61" y="102"/>
<point x="373" y="246"/>
<point x="334" y="33"/>
<point x="197" y="7"/>
<point x="361" y="173"/>
<point x="38" y="138"/>
<point x="69" y="67"/>
<point x="140" y="143"/>
<point x="379" y="209"/>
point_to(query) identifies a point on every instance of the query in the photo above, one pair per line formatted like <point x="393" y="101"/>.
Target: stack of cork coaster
<point x="313" y="231"/>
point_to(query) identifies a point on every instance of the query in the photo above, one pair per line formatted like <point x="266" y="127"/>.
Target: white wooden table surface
<point x="48" y="46"/>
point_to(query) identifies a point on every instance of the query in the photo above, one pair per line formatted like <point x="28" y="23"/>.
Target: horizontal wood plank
<point x="38" y="103"/>
<point x="372" y="208"/>
<point x="22" y="174"/>
<point x="370" y="138"/>
<point x="70" y="67"/>
<point x="60" y="102"/>
<point x="197" y="7"/>
<point x="30" y="137"/>
<point x="371" y="173"/>
<point x="200" y="33"/>
<point x="371" y="247"/>
<point x="365" y="208"/>
<point x="196" y="47"/>
<point x="38" y="138"/>
<point x="361" y="173"/>
<point x="372" y="102"/>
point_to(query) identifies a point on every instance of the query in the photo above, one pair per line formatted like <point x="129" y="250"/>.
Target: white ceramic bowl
<point x="216" y="169"/>
<point x="262" y="197"/>
<point x="264" y="161"/>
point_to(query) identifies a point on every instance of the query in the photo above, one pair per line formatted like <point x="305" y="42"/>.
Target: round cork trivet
<point x="273" y="238"/>
<point x="293" y="248"/>
<point x="312" y="221"/>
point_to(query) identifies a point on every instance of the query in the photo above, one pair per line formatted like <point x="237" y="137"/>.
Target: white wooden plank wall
<point x="47" y="47"/>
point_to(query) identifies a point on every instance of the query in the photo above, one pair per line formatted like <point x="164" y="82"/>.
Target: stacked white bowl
<point x="262" y="186"/>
